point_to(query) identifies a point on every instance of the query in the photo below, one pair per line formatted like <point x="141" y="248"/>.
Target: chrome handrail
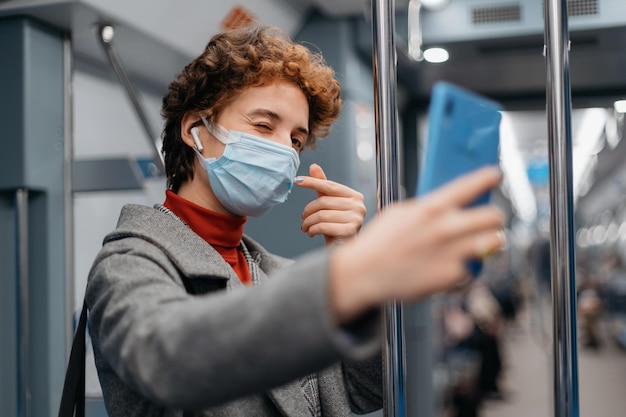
<point x="106" y="35"/>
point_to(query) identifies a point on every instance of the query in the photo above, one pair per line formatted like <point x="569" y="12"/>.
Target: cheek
<point x="215" y="149"/>
<point x="282" y="137"/>
<point x="286" y="141"/>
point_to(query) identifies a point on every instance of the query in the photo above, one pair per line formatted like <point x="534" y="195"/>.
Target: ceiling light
<point x="435" y="4"/>
<point x="107" y="32"/>
<point x="620" y="106"/>
<point x="436" y="55"/>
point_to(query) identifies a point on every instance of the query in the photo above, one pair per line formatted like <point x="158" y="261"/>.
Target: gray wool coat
<point x="219" y="348"/>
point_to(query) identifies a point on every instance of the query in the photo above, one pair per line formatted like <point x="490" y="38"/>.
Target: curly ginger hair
<point x="233" y="61"/>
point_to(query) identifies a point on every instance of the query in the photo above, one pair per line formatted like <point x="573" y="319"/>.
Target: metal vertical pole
<point x="561" y="210"/>
<point x="68" y="198"/>
<point x="387" y="144"/>
<point x="24" y="382"/>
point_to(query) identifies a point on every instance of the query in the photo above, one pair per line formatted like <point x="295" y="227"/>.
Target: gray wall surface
<point x="33" y="135"/>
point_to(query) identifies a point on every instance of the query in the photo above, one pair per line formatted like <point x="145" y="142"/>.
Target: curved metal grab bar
<point x="415" y="30"/>
<point x="106" y="34"/>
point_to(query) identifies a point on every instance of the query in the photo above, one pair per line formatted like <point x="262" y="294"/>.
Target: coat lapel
<point x="290" y="399"/>
<point x="333" y="392"/>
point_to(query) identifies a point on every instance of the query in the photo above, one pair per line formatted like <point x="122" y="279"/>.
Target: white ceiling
<point x="154" y="38"/>
<point x="188" y="25"/>
<point x="348" y="7"/>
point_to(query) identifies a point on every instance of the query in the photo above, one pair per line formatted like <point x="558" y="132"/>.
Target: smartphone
<point x="463" y="135"/>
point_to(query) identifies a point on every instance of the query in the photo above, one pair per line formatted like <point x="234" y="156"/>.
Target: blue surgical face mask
<point x="253" y="174"/>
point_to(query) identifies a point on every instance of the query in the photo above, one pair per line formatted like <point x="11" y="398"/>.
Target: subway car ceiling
<point x="513" y="70"/>
<point x="495" y="48"/>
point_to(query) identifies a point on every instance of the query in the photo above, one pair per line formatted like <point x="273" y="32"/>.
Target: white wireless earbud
<point x="196" y="139"/>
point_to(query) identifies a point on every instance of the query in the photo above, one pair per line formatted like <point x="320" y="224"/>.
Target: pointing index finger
<point x="465" y="189"/>
<point x="322" y="187"/>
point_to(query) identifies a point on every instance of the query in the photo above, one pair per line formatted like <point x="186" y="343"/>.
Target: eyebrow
<point x="274" y="116"/>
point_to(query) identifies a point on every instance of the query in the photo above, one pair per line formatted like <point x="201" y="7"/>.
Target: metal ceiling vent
<point x="503" y="13"/>
<point x="582" y="7"/>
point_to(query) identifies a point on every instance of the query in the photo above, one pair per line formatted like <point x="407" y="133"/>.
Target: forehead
<point x="282" y="97"/>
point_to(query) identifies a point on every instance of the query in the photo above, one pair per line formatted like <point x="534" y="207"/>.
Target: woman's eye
<point x="297" y="144"/>
<point x="263" y="126"/>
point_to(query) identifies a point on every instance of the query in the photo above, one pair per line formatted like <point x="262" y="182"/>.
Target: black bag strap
<point x="73" y="397"/>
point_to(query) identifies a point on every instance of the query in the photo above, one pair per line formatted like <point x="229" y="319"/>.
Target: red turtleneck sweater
<point x="222" y="232"/>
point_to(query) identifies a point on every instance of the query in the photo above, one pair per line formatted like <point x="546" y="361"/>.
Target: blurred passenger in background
<point x="612" y="291"/>
<point x="487" y="314"/>
<point x="505" y="285"/>
<point x="540" y="273"/>
<point x="589" y="302"/>
<point x="189" y="316"/>
<point x="476" y="318"/>
<point x="539" y="259"/>
<point x="461" y="357"/>
<point x="473" y="328"/>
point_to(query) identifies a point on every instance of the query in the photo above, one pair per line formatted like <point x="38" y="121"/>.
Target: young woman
<point x="189" y="316"/>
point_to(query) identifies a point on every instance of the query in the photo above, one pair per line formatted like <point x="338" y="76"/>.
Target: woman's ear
<point x="189" y="121"/>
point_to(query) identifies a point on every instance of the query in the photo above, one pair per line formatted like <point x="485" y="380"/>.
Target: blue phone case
<point x="463" y="135"/>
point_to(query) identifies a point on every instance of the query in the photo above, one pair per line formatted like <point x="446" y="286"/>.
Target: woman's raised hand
<point x="417" y="247"/>
<point x="338" y="211"/>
